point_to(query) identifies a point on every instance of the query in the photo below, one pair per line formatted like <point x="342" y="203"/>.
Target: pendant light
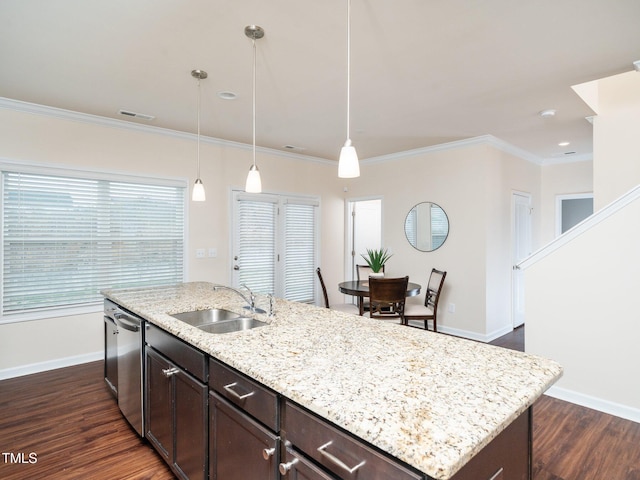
<point x="198" y="194"/>
<point x="254" y="184"/>
<point x="348" y="166"/>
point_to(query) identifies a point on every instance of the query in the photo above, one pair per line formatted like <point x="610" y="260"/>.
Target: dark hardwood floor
<point x="70" y="421"/>
<point x="571" y="442"/>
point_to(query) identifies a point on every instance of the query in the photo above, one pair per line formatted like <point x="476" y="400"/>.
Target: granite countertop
<point x="431" y="400"/>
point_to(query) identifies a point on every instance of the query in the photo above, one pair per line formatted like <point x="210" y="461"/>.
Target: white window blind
<point x="66" y="238"/>
<point x="276" y="244"/>
<point x="257" y="244"/>
<point x="300" y="252"/>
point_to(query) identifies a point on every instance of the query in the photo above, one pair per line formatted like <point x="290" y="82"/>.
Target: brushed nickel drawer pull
<point x="169" y="372"/>
<point x="284" y="468"/>
<point x="498" y="474"/>
<point x="336" y="461"/>
<point x="268" y="453"/>
<point x="229" y="389"/>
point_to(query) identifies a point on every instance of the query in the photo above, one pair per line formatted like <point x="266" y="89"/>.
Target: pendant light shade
<point x="254" y="183"/>
<point x="198" y="194"/>
<point x="348" y="165"/>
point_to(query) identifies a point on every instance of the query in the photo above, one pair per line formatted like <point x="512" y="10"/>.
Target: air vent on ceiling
<point x="293" y="147"/>
<point x="142" y="116"/>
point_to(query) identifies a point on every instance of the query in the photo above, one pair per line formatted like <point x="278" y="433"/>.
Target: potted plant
<point x="376" y="258"/>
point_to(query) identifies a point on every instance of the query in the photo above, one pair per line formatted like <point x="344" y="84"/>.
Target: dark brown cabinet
<point x="339" y="453"/>
<point x="176" y="412"/>
<point x="244" y="421"/>
<point x="240" y="448"/>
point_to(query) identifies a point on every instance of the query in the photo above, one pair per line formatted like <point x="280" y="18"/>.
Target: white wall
<point x="581" y="312"/>
<point x="41" y="139"/>
<point x="580" y="300"/>
<point x="561" y="179"/>
<point x="473" y="185"/>
<point x="615" y="137"/>
<point x="472" y="181"/>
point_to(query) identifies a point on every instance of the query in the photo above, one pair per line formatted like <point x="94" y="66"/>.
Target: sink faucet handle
<point x="252" y="298"/>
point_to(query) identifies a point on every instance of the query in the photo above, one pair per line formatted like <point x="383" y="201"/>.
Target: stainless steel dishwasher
<point x="130" y="341"/>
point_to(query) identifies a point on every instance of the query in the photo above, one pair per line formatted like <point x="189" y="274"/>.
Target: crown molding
<point x="54" y="112"/>
<point x="467" y="142"/>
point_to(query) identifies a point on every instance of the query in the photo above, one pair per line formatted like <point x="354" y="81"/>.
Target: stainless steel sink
<point x="206" y="317"/>
<point x="218" y="320"/>
<point x="235" y="325"/>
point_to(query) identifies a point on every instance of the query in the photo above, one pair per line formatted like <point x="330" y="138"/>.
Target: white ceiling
<point x="424" y="72"/>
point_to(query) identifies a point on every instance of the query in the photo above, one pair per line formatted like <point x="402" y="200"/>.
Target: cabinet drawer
<point x="255" y="399"/>
<point x="185" y="356"/>
<point x="339" y="452"/>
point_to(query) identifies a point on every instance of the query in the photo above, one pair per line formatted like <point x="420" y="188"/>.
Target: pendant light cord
<point x="254" y="102"/>
<point x="198" y="149"/>
<point x="348" y="69"/>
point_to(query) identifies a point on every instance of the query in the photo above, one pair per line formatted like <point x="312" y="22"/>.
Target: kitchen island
<point x="432" y="401"/>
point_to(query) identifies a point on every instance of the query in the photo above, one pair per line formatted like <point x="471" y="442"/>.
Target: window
<point x="66" y="237"/>
<point x="276" y="244"/>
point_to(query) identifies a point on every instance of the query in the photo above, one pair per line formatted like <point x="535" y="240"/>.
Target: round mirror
<point x="426" y="226"/>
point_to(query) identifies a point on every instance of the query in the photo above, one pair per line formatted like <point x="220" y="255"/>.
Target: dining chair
<point x="428" y="311"/>
<point x="387" y="297"/>
<point x="363" y="272"/>
<point x="340" y="307"/>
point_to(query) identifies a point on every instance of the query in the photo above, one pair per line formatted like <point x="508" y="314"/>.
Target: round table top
<point x="361" y="288"/>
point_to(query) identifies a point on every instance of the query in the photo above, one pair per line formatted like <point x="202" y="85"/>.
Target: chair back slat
<point x="387" y="297"/>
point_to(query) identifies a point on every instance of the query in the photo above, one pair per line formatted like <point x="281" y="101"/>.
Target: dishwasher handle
<point x="128" y="323"/>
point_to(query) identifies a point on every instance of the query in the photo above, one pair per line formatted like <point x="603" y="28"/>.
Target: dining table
<point x="360" y="289"/>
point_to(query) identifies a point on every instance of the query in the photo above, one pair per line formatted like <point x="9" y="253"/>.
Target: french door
<point x="275" y="244"/>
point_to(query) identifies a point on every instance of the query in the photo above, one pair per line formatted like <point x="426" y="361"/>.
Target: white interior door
<point x="364" y="231"/>
<point x="521" y="238"/>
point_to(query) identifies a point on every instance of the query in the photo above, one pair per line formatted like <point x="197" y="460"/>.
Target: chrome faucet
<point x="250" y="300"/>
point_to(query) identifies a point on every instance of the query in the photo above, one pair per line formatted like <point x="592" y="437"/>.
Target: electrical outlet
<point x="213" y="252"/>
<point x="452" y="308"/>
<point x="200" y="253"/>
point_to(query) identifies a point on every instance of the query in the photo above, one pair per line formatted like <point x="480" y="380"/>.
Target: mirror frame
<point x="407" y="218"/>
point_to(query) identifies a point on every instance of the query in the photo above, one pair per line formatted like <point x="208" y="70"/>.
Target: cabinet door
<point x="190" y="427"/>
<point x="159" y="399"/>
<point x="240" y="448"/>
<point x="111" y="354"/>
<point x="295" y="466"/>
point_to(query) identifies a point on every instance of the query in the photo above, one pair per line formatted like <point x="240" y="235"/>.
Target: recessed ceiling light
<point x="227" y="95"/>
<point x="550" y="112"/>
<point x="564" y="144"/>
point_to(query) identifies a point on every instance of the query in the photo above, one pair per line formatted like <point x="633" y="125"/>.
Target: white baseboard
<point x="50" y="365"/>
<point x="605" y="406"/>
<point x="478" y="337"/>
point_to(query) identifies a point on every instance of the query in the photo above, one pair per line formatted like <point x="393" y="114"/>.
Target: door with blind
<point x="275" y="244"/>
